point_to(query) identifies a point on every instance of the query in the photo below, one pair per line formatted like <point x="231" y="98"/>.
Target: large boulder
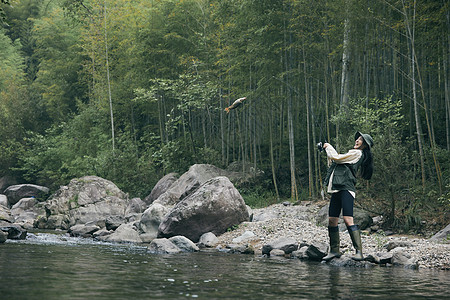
<point x="443" y="235"/>
<point x="89" y="199"/>
<point x="26" y="211"/>
<point x="161" y="187"/>
<point x="150" y="220"/>
<point x="188" y="183"/>
<point x="214" y="207"/>
<point x="19" y="191"/>
<point x="125" y="233"/>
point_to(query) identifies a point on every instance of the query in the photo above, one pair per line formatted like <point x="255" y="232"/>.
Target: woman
<point x="340" y="182"/>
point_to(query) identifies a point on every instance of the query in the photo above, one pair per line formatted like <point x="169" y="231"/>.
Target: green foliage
<point x="61" y="62"/>
<point x="82" y="147"/>
<point x="233" y="227"/>
<point x="2" y="13"/>
<point x="15" y="111"/>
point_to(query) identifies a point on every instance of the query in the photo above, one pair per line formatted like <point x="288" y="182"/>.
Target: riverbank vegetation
<point x="130" y="90"/>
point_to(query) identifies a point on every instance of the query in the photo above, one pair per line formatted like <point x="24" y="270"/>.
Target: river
<point x="54" y="266"/>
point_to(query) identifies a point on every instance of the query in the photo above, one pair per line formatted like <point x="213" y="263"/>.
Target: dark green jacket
<point x="344" y="177"/>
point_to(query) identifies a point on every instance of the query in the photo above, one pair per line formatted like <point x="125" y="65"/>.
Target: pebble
<point x="298" y="222"/>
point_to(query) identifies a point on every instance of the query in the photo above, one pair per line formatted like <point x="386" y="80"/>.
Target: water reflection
<point x="53" y="267"/>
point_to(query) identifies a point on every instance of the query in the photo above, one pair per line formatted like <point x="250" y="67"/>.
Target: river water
<point x="51" y="266"/>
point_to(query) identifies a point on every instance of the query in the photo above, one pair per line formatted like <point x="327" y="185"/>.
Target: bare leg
<point x="333" y="221"/>
<point x="348" y="221"/>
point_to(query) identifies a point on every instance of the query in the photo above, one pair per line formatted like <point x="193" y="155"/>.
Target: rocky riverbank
<point x="203" y="206"/>
<point x="297" y="222"/>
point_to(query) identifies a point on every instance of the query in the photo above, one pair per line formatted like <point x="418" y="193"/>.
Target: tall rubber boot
<point x="333" y="233"/>
<point x="355" y="235"/>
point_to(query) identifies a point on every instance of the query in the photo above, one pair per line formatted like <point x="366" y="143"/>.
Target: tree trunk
<point x="410" y="35"/>
<point x="109" y="82"/>
<point x="308" y="127"/>
<point x="272" y="163"/>
<point x="447" y="99"/>
<point x="345" y="58"/>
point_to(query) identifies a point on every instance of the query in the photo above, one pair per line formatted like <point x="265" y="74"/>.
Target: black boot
<point x="333" y="233"/>
<point x="355" y="235"/>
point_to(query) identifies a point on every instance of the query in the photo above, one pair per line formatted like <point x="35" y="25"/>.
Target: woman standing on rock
<point x="340" y="182"/>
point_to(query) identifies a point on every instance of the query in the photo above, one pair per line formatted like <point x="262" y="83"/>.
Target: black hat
<point x="367" y="138"/>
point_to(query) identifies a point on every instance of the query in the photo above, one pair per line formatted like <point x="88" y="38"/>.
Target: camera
<point x="320" y="146"/>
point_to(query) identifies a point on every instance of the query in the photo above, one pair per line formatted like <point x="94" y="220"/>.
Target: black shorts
<point x="341" y="200"/>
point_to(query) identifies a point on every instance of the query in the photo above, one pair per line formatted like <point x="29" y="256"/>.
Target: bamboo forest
<point x="131" y="90"/>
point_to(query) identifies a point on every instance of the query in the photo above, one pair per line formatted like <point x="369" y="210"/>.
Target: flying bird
<point x="235" y="104"/>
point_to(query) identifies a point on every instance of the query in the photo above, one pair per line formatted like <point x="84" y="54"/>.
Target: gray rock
<point x="287" y="245"/>
<point x="161" y="187"/>
<point x="443" y="235"/>
<point x="125" y="233"/>
<point x="246" y="236"/>
<point x="264" y="216"/>
<point x="163" y="246"/>
<point x="372" y="258"/>
<point x="113" y="222"/>
<point x="150" y="220"/>
<point x="384" y="258"/>
<point x="240" y="248"/>
<point x="214" y="207"/>
<point x="316" y="251"/>
<point x="99" y="234"/>
<point x="360" y="217"/>
<point x="26" y="211"/>
<point x="19" y="191"/>
<point x="208" y="239"/>
<point x="277" y="252"/>
<point x="394" y="244"/>
<point x="135" y="206"/>
<point x="83" y="230"/>
<point x="3" y="200"/>
<point x="15" y="232"/>
<point x="300" y="253"/>
<point x="89" y="199"/>
<point x="188" y="183"/>
<point x="347" y="261"/>
<point x="185" y="244"/>
<point x="401" y="258"/>
<point x="3" y="236"/>
<point x="5" y="214"/>
<point x="250" y="213"/>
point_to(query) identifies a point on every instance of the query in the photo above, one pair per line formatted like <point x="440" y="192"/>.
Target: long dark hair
<point x="367" y="163"/>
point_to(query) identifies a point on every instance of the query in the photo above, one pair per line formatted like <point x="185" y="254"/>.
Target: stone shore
<point x="298" y="222"/>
